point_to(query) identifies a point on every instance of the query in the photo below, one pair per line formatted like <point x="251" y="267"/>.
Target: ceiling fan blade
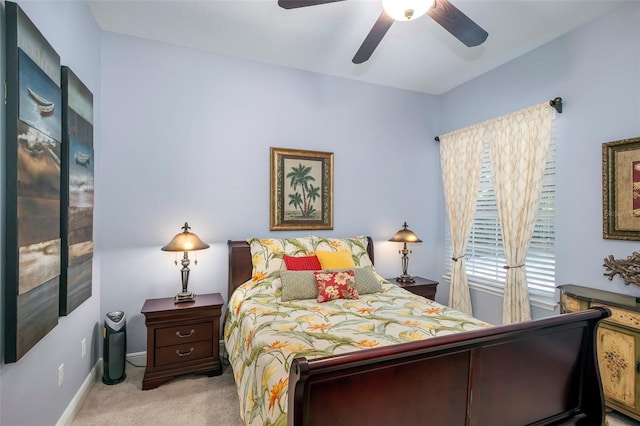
<point x="294" y="4"/>
<point x="374" y="37"/>
<point x="457" y="23"/>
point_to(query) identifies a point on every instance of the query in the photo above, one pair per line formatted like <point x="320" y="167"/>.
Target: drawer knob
<point x="185" y="335"/>
<point x="184" y="353"/>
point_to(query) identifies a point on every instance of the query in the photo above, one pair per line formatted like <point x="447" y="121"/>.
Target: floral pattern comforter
<point x="262" y="335"/>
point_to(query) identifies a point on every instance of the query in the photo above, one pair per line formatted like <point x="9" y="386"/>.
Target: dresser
<point x="182" y="338"/>
<point x="618" y="343"/>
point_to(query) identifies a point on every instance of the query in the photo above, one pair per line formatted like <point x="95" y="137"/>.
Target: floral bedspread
<point x="262" y="335"/>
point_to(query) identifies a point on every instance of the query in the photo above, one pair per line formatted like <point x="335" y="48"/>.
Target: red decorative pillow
<point x="302" y="263"/>
<point x="336" y="285"/>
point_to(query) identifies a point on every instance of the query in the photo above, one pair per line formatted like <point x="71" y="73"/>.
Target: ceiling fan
<point x="441" y="11"/>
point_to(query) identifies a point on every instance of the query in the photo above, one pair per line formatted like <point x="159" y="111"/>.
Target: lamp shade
<point x="405" y="236"/>
<point x="185" y="241"/>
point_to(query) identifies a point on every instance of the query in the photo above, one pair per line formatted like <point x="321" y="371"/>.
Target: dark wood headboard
<point x="240" y="266"/>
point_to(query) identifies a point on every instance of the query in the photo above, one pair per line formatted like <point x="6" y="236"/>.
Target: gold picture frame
<point x="621" y="189"/>
<point x="301" y="189"/>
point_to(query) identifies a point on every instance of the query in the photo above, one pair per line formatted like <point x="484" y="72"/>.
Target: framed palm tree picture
<point x="301" y="189"/>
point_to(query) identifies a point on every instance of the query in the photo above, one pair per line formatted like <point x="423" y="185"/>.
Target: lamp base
<point x="184" y="297"/>
<point x="405" y="279"/>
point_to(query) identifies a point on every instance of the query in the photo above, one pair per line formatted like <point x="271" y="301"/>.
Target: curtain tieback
<point x="513" y="267"/>
<point x="455" y="259"/>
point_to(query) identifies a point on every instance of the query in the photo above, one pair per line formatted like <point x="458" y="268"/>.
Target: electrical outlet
<point x="60" y="374"/>
<point x="83" y="344"/>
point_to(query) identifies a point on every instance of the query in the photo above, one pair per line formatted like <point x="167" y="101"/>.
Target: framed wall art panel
<point x="77" y="192"/>
<point x="301" y="189"/>
<point x="33" y="156"/>
<point x="621" y="189"/>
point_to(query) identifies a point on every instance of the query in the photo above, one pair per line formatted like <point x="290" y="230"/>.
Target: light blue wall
<point x="33" y="381"/>
<point x="186" y="135"/>
<point x="596" y="70"/>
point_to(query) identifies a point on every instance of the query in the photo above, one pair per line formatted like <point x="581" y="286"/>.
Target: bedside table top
<point x="418" y="281"/>
<point x="167" y="303"/>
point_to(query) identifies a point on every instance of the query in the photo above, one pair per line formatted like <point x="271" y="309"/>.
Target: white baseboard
<point x="138" y="358"/>
<point x="74" y="406"/>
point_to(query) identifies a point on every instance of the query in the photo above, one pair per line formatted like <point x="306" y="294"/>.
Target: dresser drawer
<point x="571" y="304"/>
<point x="184" y="352"/>
<point x="178" y="335"/>
<point x="622" y="317"/>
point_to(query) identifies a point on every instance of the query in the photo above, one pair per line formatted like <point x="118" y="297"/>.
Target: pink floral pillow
<point x="335" y="285"/>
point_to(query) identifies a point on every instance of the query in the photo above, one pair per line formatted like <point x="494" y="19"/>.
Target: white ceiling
<point x="418" y="55"/>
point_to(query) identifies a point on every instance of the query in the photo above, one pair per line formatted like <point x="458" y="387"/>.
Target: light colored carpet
<point x="186" y="400"/>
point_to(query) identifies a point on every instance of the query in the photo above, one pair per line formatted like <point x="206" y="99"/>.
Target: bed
<point x="391" y="357"/>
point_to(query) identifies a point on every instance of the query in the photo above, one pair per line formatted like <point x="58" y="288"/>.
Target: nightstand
<point x="182" y="338"/>
<point x="422" y="286"/>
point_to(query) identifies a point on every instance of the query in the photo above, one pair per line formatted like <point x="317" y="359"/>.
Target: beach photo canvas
<point x="33" y="171"/>
<point x="77" y="183"/>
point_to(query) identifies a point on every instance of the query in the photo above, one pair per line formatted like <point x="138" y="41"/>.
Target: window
<point x="485" y="255"/>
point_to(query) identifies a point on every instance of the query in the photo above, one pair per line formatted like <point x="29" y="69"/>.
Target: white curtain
<point x="518" y="145"/>
<point x="461" y="162"/>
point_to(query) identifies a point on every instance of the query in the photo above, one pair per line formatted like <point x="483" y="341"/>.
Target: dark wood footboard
<point x="541" y="372"/>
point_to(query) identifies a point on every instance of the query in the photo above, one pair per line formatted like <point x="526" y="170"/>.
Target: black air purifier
<point x="114" y="348"/>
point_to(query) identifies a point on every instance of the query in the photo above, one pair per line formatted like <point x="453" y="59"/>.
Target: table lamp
<point x="185" y="241"/>
<point x="405" y="236"/>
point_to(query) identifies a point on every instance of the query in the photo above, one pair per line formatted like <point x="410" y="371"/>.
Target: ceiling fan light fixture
<point x="406" y="10"/>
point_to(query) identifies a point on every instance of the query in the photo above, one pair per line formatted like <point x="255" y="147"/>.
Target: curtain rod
<point x="555" y="103"/>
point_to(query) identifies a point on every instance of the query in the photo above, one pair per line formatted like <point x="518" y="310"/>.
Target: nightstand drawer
<point x="425" y="291"/>
<point x="182" y="334"/>
<point x="420" y="286"/>
<point x="183" y="353"/>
